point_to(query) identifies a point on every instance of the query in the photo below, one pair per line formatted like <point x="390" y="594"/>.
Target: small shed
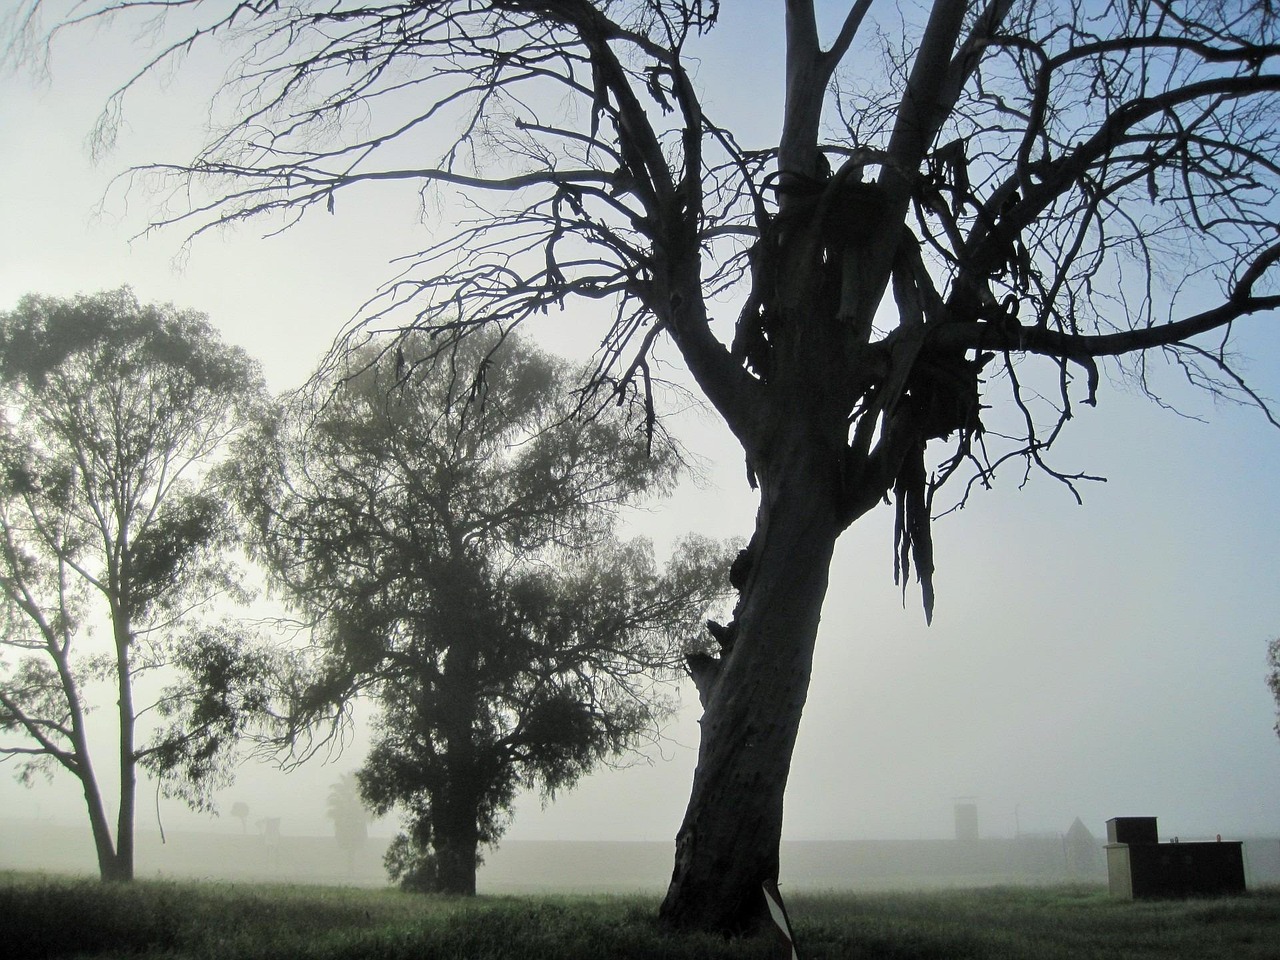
<point x="1139" y="866"/>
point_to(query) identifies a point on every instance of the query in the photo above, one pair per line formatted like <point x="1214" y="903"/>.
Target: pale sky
<point x="1095" y="661"/>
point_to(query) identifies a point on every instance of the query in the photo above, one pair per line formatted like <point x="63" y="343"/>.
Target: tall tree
<point x="445" y="520"/>
<point x="111" y="410"/>
<point x="1014" y="193"/>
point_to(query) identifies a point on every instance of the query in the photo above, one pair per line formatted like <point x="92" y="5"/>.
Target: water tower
<point x="966" y="819"/>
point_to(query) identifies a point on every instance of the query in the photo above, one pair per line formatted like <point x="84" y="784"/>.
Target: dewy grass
<point x="1046" y="923"/>
<point x="44" y="917"/>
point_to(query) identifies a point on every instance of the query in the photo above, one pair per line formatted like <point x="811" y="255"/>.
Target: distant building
<point x="966" y="821"/>
<point x="1082" y="852"/>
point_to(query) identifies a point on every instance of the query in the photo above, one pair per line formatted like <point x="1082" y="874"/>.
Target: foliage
<point x="445" y="520"/>
<point x="226" y="687"/>
<point x="112" y="409"/>
<point x="180" y="920"/>
<point x="409" y="859"/>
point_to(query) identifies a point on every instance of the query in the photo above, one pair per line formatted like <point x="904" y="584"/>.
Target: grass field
<point x="64" y="918"/>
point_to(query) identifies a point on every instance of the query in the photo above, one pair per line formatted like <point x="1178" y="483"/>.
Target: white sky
<point x="1093" y="661"/>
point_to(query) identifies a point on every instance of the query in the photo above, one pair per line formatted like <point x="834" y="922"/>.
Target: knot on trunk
<point x="705" y="671"/>
<point x="705" y="668"/>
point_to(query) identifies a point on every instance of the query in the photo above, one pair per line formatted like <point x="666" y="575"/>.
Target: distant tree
<point x="446" y="521"/>
<point x="1273" y="678"/>
<point x="111" y="410"/>
<point x="350" y="817"/>
<point x="240" y="810"/>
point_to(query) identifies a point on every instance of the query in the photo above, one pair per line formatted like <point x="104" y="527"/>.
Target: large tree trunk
<point x="455" y="805"/>
<point x="455" y="840"/>
<point x="728" y="844"/>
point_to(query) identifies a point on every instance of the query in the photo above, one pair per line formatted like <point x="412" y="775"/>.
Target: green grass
<point x="1036" y="923"/>
<point x="65" y="918"/>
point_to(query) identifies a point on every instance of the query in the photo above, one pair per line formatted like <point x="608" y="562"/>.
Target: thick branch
<point x="1067" y="346"/>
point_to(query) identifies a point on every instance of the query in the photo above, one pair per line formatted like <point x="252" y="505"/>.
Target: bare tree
<point x="1014" y="193"/>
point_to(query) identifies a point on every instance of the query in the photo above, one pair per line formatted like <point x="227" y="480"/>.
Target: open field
<point x="558" y="867"/>
<point x="48" y="916"/>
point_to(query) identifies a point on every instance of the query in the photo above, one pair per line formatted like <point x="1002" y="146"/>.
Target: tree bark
<point x="128" y="756"/>
<point x="728" y="844"/>
<point x="101" y="830"/>
<point x="456" y="839"/>
<point x="455" y="806"/>
<point x="81" y="765"/>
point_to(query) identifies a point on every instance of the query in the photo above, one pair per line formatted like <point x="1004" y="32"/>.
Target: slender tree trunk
<point x="82" y="767"/>
<point x="728" y="844"/>
<point x="128" y="758"/>
<point x="101" y="830"/>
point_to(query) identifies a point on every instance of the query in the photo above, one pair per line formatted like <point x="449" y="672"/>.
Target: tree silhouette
<point x="445" y="521"/>
<point x="349" y="815"/>
<point x="1273" y="676"/>
<point x="932" y="263"/>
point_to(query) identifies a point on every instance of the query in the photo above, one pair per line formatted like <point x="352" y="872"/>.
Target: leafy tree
<point x="932" y="263"/>
<point x="111" y="409"/>
<point x="446" y="521"/>
<point x="240" y="810"/>
<point x="349" y="815"/>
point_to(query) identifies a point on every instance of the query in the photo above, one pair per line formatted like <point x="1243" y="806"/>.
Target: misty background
<point x="1084" y="661"/>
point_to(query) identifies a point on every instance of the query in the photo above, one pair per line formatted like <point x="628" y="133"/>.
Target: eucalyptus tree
<point x="350" y="817"/>
<point x="932" y="254"/>
<point x="444" y="517"/>
<point x="111" y="411"/>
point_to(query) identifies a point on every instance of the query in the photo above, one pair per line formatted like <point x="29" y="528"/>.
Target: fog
<point x="1084" y="661"/>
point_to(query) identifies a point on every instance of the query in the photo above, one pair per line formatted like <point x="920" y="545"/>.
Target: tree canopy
<point x="111" y="411"/>
<point x="929" y="267"/>
<point x="445" y="519"/>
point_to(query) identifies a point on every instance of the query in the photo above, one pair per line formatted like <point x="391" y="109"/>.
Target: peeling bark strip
<point x="778" y="914"/>
<point x="903" y="256"/>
